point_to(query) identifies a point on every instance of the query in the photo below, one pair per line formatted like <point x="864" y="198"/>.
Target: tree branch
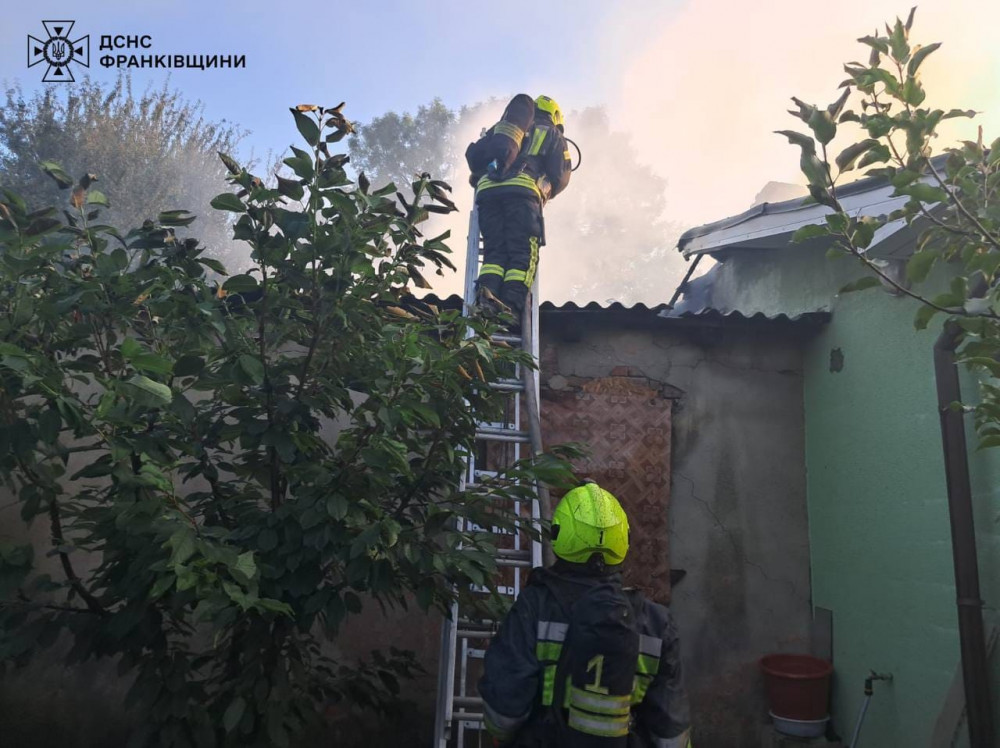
<point x="29" y="605"/>
<point x="961" y="207"/>
<point x="58" y="539"/>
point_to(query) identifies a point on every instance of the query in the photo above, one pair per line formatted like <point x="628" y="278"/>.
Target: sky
<point x="699" y="85"/>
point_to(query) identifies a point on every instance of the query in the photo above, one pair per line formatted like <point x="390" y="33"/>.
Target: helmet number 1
<point x="597" y="665"/>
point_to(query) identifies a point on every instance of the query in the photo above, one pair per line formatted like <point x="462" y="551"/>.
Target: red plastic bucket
<point x="798" y="686"/>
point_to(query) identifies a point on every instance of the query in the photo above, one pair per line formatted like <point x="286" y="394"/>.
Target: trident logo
<point x="58" y="51"/>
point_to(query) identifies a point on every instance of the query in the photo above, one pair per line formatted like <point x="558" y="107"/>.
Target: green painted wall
<point x="878" y="520"/>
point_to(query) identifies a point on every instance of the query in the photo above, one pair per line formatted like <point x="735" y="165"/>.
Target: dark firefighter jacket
<point x="541" y="170"/>
<point x="520" y="667"/>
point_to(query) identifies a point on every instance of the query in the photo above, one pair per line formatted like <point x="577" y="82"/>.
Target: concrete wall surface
<point x="738" y="523"/>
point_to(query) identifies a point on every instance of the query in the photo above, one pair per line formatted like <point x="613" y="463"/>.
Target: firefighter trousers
<point x="512" y="232"/>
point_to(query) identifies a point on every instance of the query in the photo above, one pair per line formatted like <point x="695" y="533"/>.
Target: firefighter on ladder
<point x="521" y="163"/>
<point x="579" y="661"/>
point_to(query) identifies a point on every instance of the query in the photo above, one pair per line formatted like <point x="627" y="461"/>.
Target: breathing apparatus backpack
<point x="595" y="674"/>
<point x="505" y="140"/>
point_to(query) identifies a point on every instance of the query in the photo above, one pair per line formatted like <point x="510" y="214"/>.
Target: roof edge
<point x="866" y="184"/>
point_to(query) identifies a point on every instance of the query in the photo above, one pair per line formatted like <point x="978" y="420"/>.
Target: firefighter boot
<point x="513" y="295"/>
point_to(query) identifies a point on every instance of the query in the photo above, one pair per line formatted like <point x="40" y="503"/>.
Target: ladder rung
<point x="514" y="562"/>
<point x="483" y="624"/>
<point x="514" y="553"/>
<point x="507" y="385"/>
<point x="475" y="634"/>
<point x="478" y="489"/>
<point x="469" y="716"/>
<point x="503" y="435"/>
<point x="466" y="702"/>
<point x="509" y="339"/>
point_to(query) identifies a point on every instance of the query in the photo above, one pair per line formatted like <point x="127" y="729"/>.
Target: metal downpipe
<point x="972" y="638"/>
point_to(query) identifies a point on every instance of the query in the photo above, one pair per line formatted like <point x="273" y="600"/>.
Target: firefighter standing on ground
<point x="530" y="165"/>
<point x="578" y="661"/>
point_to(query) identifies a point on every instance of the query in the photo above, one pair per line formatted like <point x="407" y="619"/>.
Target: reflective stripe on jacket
<point x="518" y="684"/>
<point x="542" y="168"/>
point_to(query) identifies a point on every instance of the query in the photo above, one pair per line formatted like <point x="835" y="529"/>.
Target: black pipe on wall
<point x="972" y="638"/>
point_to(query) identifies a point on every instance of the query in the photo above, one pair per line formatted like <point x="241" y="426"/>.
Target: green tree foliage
<point x="229" y="472"/>
<point x="397" y="147"/>
<point x="953" y="199"/>
<point x="156" y="148"/>
<point x="608" y="233"/>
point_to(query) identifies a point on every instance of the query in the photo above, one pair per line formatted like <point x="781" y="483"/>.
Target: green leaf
<point x="96" y="197"/>
<point x="812" y="231"/>
<point x="837" y="107"/>
<point x="55" y="171"/>
<point x="130" y="347"/>
<point x="49" y="425"/>
<point x="182" y="542"/>
<point x="924" y="192"/>
<point x="920" y="264"/>
<point x="267" y="540"/>
<point x="807" y="144"/>
<point x="987" y="442"/>
<point x="228" y="201"/>
<point x="897" y="42"/>
<point x="253" y="368"/>
<point x="913" y="93"/>
<point x="152" y="363"/>
<point x="176" y="218"/>
<point x="823" y="126"/>
<point x="837" y="222"/>
<point x="307" y="126"/>
<point x="815" y="171"/>
<point x="923" y="318"/>
<point x="847" y="157"/>
<point x="290" y="188"/>
<point x="878" y="43"/>
<point x="240" y="284"/>
<point x="189" y="366"/>
<point x="952" y="113"/>
<point x="98" y="469"/>
<point x="869" y="281"/>
<point x="159" y="392"/>
<point x="234" y="713"/>
<point x="212" y="264"/>
<point x="245" y="566"/>
<point x="337" y="506"/>
<point x="428" y="414"/>
<point x="864" y="231"/>
<point x="920" y="54"/>
<point x="141" y="359"/>
<point x="302" y="164"/>
<point x="878" y="154"/>
<point x="163" y="584"/>
<point x="230" y="163"/>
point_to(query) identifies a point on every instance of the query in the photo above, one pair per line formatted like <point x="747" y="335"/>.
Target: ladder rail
<point x="520" y="427"/>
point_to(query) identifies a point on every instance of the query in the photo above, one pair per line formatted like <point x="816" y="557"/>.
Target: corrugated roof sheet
<point x="662" y="311"/>
<point x="596" y="306"/>
<point x="454" y="301"/>
<point x="708" y="315"/>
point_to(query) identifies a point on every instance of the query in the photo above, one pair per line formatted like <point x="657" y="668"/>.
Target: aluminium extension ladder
<point x="464" y="636"/>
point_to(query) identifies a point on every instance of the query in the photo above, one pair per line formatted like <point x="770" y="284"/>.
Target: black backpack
<point x="510" y="137"/>
<point x="596" y="671"/>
